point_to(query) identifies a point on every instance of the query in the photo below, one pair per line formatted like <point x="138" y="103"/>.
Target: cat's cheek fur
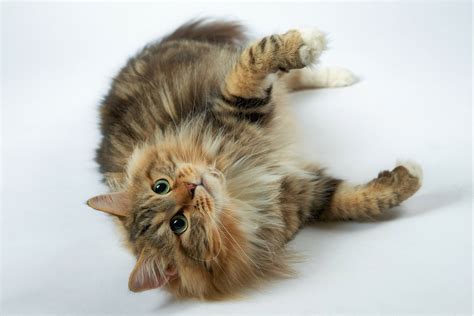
<point x="225" y="261"/>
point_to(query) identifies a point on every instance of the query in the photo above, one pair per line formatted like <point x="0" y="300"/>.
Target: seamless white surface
<point x="413" y="100"/>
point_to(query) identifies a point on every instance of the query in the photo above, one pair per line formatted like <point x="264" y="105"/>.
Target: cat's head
<point x="180" y="223"/>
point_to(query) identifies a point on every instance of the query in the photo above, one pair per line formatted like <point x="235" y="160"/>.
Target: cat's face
<point x="175" y="221"/>
<point x="179" y="223"/>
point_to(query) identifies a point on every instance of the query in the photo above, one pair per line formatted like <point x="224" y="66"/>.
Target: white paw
<point x="333" y="77"/>
<point x="340" y="77"/>
<point x="413" y="168"/>
<point x="269" y="80"/>
<point x="314" y="44"/>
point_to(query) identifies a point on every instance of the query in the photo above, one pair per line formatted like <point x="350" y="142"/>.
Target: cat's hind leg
<point x="318" y="77"/>
<point x="389" y="189"/>
<point x="313" y="195"/>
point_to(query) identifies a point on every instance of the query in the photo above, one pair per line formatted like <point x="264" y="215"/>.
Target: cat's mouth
<point x="206" y="182"/>
<point x="207" y="186"/>
<point x="213" y="182"/>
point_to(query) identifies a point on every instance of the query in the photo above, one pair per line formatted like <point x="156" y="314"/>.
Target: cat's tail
<point x="389" y="189"/>
<point x="218" y="32"/>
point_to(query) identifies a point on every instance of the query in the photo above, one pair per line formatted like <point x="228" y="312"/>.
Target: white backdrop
<point x="413" y="100"/>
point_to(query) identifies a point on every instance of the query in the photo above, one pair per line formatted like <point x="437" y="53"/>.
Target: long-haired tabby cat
<point x="196" y="150"/>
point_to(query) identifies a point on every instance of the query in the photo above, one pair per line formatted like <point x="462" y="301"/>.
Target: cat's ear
<point x="116" y="203"/>
<point x="146" y="274"/>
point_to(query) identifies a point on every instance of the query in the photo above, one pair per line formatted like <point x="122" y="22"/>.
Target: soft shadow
<point x="172" y="305"/>
<point x="432" y="202"/>
<point x="167" y="304"/>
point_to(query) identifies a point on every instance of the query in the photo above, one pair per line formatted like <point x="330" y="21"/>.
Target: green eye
<point x="161" y="186"/>
<point x="179" y="224"/>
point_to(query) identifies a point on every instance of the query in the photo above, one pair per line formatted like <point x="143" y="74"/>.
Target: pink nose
<point x="191" y="187"/>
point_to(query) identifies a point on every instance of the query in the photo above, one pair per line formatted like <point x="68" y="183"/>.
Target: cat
<point x="197" y="151"/>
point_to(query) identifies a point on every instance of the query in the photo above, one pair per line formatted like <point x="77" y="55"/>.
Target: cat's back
<point x="163" y="84"/>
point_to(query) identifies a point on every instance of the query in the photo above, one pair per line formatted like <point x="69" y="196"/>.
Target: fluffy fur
<point x="205" y="110"/>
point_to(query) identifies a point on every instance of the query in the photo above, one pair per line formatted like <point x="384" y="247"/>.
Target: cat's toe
<point x="340" y="77"/>
<point x="413" y="168"/>
<point x="314" y="43"/>
<point x="408" y="177"/>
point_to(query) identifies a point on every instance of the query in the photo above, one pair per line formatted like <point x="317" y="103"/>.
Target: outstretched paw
<point x="339" y="77"/>
<point x="413" y="168"/>
<point x="333" y="77"/>
<point x="314" y="43"/>
<point x="405" y="179"/>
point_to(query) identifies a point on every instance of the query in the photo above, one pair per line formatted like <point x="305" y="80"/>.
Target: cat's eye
<point x="179" y="224"/>
<point x="161" y="186"/>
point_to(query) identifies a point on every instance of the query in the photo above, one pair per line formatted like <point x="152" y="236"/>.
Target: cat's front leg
<point x="249" y="83"/>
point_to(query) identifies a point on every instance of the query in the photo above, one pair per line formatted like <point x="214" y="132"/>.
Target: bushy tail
<point x="219" y="32"/>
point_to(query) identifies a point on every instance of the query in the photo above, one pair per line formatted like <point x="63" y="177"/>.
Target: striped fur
<point x="198" y="108"/>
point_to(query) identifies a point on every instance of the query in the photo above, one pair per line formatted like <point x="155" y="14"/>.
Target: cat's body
<point x="205" y="116"/>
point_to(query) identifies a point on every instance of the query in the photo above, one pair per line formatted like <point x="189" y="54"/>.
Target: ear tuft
<point x="146" y="275"/>
<point x="117" y="203"/>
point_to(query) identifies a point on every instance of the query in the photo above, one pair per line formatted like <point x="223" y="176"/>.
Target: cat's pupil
<point x="161" y="186"/>
<point x="179" y="224"/>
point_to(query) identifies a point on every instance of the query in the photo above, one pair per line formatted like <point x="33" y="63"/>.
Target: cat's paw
<point x="405" y="179"/>
<point x="413" y="168"/>
<point x="340" y="77"/>
<point x="314" y="43"/>
<point x="333" y="77"/>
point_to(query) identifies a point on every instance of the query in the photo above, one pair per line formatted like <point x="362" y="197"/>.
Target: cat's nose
<point x="191" y="187"/>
